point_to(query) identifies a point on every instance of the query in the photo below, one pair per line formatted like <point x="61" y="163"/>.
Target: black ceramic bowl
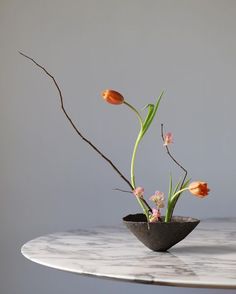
<point x="160" y="236"/>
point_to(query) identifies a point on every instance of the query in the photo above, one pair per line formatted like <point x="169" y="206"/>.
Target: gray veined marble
<point x="206" y="258"/>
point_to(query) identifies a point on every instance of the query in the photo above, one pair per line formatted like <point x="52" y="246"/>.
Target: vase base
<point x="160" y="236"/>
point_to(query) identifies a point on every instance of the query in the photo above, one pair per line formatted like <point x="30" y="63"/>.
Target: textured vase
<point x="160" y="236"/>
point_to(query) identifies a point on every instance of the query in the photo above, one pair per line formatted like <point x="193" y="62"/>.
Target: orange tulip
<point x="199" y="189"/>
<point x="112" y="97"/>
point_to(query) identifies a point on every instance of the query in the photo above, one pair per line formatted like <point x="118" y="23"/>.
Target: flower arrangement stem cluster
<point x="154" y="214"/>
<point x="173" y="197"/>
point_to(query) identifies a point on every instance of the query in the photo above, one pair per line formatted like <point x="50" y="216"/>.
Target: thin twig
<point x="144" y="201"/>
<point x="73" y="125"/>
<point x="148" y="206"/>
<point x="171" y="156"/>
<point x="121" y="190"/>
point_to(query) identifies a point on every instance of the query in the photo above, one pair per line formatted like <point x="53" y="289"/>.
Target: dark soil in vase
<point x="160" y="236"/>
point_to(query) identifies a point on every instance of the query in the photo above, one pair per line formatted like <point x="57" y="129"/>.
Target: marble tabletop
<point x="206" y="258"/>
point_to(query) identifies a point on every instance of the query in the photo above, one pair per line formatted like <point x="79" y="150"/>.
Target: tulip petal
<point x="199" y="189"/>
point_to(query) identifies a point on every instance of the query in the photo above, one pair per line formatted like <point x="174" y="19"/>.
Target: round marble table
<point x="206" y="258"/>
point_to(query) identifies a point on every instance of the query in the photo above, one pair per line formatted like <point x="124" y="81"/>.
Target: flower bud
<point x="112" y="97"/>
<point x="138" y="192"/>
<point x="168" y="139"/>
<point x="155" y="216"/>
<point x="199" y="189"/>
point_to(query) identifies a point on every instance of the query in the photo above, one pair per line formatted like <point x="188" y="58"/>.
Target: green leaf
<point x="150" y="111"/>
<point x="184" y="186"/>
<point x="177" y="186"/>
<point x="151" y="114"/>
<point x="146" y="106"/>
<point x="170" y="189"/>
<point x="186" y="183"/>
<point x="172" y="202"/>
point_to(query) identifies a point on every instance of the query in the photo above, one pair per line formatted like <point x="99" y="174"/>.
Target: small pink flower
<point x="138" y="192"/>
<point x="158" y="198"/>
<point x="168" y="139"/>
<point x="156" y="215"/>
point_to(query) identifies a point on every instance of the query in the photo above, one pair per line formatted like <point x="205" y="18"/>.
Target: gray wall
<point x="51" y="180"/>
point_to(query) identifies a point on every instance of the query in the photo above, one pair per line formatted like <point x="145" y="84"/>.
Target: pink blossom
<point x="158" y="198"/>
<point x="156" y="215"/>
<point x="168" y="139"/>
<point x="138" y="192"/>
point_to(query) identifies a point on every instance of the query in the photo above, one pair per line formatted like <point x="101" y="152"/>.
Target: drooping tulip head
<point x="112" y="97"/>
<point x="199" y="189"/>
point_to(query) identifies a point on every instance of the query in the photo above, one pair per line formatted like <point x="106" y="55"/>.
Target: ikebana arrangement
<point x="156" y="231"/>
<point x="197" y="188"/>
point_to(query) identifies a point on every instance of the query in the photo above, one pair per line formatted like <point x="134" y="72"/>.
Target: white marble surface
<point x="206" y="258"/>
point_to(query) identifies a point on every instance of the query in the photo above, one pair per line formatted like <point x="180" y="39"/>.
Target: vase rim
<point x="141" y="218"/>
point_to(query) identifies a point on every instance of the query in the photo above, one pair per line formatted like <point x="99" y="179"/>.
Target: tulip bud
<point x="112" y="97"/>
<point x="199" y="189"/>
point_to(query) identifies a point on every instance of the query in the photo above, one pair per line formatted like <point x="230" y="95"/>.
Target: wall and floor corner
<point x="50" y="180"/>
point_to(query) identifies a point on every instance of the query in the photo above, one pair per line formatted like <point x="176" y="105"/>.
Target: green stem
<point x="141" y="201"/>
<point x="132" y="174"/>
<point x="177" y="193"/>
<point x="136" y="111"/>
<point x="133" y="159"/>
<point x="144" y="207"/>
